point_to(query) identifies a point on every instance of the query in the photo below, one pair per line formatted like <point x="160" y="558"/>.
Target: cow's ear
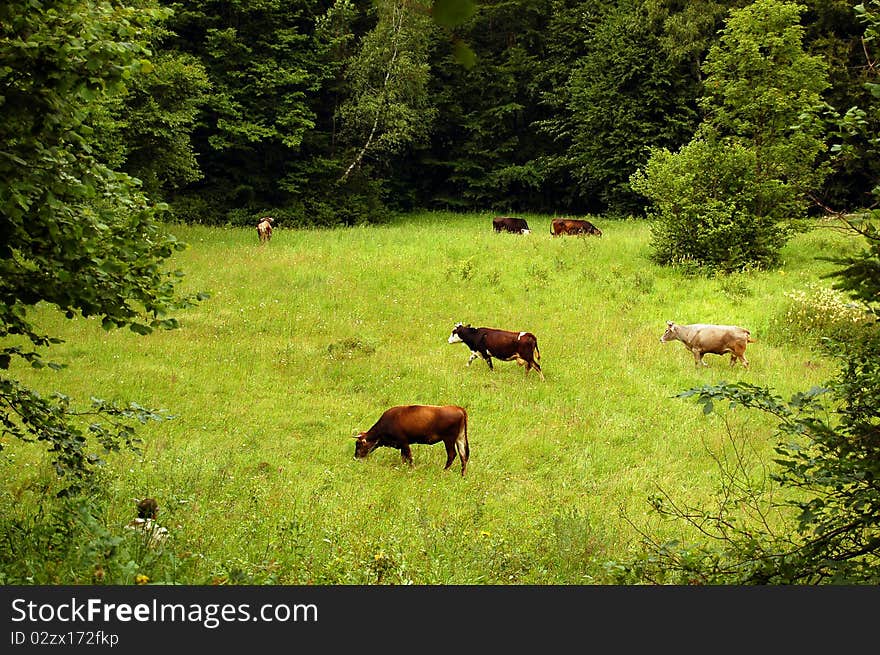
<point x="670" y="323"/>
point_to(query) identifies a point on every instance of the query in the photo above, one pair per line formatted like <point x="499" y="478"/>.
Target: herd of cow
<point x="401" y="426"/>
<point x="558" y="226"/>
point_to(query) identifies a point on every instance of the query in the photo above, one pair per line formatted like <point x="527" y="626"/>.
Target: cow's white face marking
<point x="526" y="231"/>
<point x="521" y="335"/>
<point x="454" y="338"/>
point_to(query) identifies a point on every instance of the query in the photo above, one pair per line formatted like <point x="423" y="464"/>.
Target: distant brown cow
<point x="264" y="228"/>
<point x="702" y="338"/>
<point x="573" y="226"/>
<point x="500" y="344"/>
<point x="510" y="224"/>
<point x="401" y="426"/>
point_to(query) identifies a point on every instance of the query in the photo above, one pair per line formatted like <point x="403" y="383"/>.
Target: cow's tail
<point x="467" y="447"/>
<point x="749" y="338"/>
<point x="537" y="352"/>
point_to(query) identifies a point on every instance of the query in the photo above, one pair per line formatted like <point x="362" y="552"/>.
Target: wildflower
<point x="140" y="578"/>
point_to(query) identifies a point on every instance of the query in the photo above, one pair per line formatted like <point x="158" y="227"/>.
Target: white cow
<point x="702" y="338"/>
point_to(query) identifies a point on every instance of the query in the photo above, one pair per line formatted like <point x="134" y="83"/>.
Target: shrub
<point x="703" y="208"/>
<point x="818" y="313"/>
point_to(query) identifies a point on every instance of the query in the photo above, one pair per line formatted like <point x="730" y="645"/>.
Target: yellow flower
<point x="483" y="533"/>
<point x="140" y="578"/>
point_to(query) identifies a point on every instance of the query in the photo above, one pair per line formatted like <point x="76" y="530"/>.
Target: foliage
<point x="267" y="67"/>
<point x="622" y="101"/>
<point x="701" y="198"/>
<point x="151" y="123"/>
<point x="817" y="314"/>
<point x="761" y="129"/>
<point x="830" y="455"/>
<point x="388" y="108"/>
<point x="73" y="233"/>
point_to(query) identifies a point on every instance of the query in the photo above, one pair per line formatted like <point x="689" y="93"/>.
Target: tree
<point x="623" y="99"/>
<point x="483" y="152"/>
<point x="268" y="70"/>
<point x="389" y="108"/>
<point x="73" y="233"/>
<point x="146" y="132"/>
<point x="755" y="156"/>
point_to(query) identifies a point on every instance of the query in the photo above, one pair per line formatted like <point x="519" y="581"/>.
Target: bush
<point x="703" y="208"/>
<point x="815" y="313"/>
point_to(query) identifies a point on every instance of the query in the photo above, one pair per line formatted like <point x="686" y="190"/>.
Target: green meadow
<point x="306" y="340"/>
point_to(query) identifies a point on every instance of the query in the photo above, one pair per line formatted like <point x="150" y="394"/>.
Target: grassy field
<point x="308" y="339"/>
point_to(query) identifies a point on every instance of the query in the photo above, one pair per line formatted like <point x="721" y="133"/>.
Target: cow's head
<point x="454" y="337"/>
<point x="147" y="508"/>
<point x="363" y="446"/>
<point x="669" y="335"/>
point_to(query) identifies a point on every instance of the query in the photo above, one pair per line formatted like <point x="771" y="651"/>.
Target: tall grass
<point x="309" y="338"/>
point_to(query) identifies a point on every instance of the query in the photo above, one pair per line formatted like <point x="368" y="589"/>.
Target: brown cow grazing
<point x="573" y="226"/>
<point x="401" y="426"/>
<point x="264" y="228"/>
<point x="510" y="224"/>
<point x="500" y="344"/>
<point x="702" y="338"/>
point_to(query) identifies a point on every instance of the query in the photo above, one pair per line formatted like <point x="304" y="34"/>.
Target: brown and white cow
<point x="264" y="228"/>
<point x="573" y="226"/>
<point x="403" y="425"/>
<point x="510" y="224"/>
<point x="704" y="338"/>
<point x="501" y="344"/>
<point x="145" y="523"/>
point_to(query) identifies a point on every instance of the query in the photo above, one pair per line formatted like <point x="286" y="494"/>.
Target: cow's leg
<point x="461" y="445"/>
<point x="537" y="367"/>
<point x="698" y="358"/>
<point x="406" y="454"/>
<point x="488" y="359"/>
<point x="450" y="454"/>
<point x="474" y="355"/>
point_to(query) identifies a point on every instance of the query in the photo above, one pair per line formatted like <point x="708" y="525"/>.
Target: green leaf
<point x="449" y="13"/>
<point x="463" y="54"/>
